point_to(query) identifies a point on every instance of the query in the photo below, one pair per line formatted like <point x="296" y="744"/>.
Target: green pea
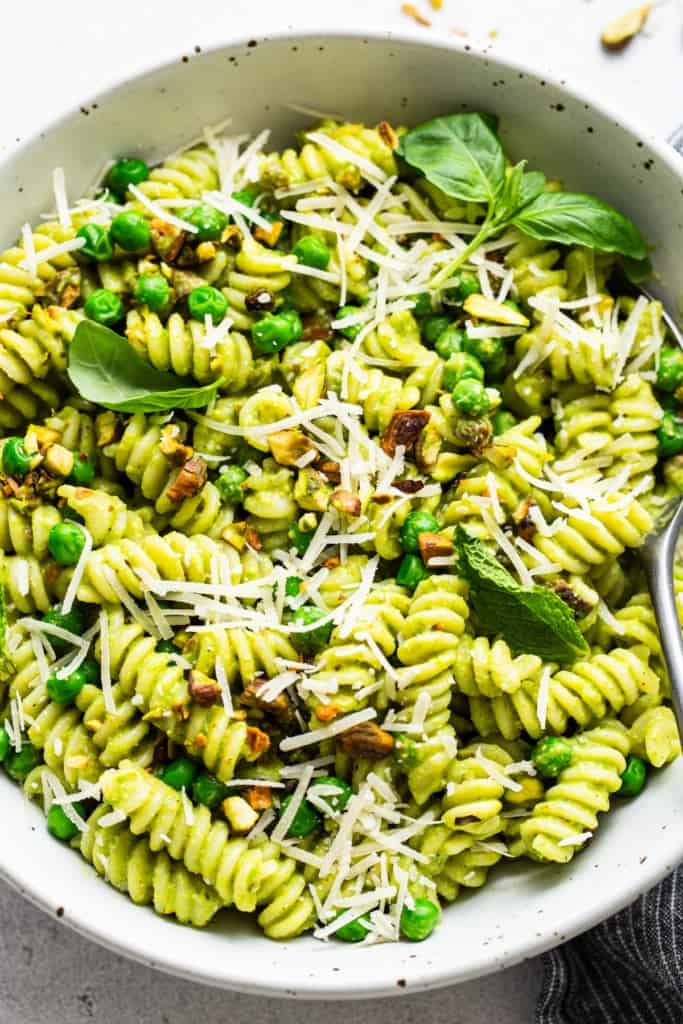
<point x="432" y="327"/>
<point x="83" y="470"/>
<point x="104" y="307"/>
<point x="292" y="586"/>
<point x="97" y="243"/>
<point x="353" y="330"/>
<point x="502" y="421"/>
<point x="449" y="342"/>
<point x="179" y="773"/>
<point x="337" y="801"/>
<point x="91" y="672"/>
<point x="551" y="755"/>
<point x="208" y="791"/>
<point x="246" y="196"/>
<point x="420" y="920"/>
<point x="312" y="252"/>
<point x="131" y="231"/>
<point x="405" y="752"/>
<point x="16" y="461"/>
<point x="210" y="222"/>
<point x="415" y="523"/>
<point x="670" y="434"/>
<point x="4" y="743"/>
<point x="152" y="290"/>
<point x="313" y="640"/>
<point x="305" y="821"/>
<point x="461" y="366"/>
<point x="166" y="647"/>
<point x="125" y="172"/>
<point x="470" y="397"/>
<point x="670" y="369"/>
<point x="65" y="691"/>
<point x="229" y="484"/>
<point x="488" y="351"/>
<point x="411" y="571"/>
<point x="354" y="931"/>
<point x="72" y="621"/>
<point x="423" y="304"/>
<point x="65" y="542"/>
<point x="276" y="330"/>
<point x="466" y="283"/>
<point x="60" y="826"/>
<point x="300" y="538"/>
<point x="207" y="301"/>
<point x="20" y="763"/>
<point x="633" y="776"/>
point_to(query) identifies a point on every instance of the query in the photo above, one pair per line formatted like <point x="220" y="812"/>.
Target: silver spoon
<point x="657" y="555"/>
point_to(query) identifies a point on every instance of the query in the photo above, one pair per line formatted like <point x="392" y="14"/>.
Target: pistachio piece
<point x="623" y="29"/>
<point x="404" y="429"/>
<point x="497" y="312"/>
<point x="203" y="690"/>
<point x="106" y="426"/>
<point x="259" y="798"/>
<point x="289" y="446"/>
<point x="345" y="501"/>
<point x="434" y="545"/>
<point x="240" y="815"/>
<point x="59" y="460"/>
<point x="271" y="236"/>
<point x="367" y="740"/>
<point x="171" y="445"/>
<point x="190" y="479"/>
<point x="311" y="491"/>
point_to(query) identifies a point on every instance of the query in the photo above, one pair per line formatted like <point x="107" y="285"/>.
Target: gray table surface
<point x="48" y="974"/>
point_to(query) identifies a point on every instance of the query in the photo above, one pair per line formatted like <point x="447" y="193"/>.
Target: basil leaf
<point x="459" y="154"/>
<point x="106" y="369"/>
<point x="518" y="191"/>
<point x="574" y="218"/>
<point x="532" y="620"/>
<point x="637" y="270"/>
<point x="533" y="184"/>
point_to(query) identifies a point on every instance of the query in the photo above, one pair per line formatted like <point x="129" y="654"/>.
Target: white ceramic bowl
<point x="521" y="911"/>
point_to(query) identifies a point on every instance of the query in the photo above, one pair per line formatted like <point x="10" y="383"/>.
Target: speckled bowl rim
<point x="399" y="971"/>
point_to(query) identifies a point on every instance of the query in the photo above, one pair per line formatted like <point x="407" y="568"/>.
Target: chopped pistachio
<point x="497" y="312"/>
<point x="59" y="460"/>
<point x="288" y="446"/>
<point x="623" y="29"/>
<point x="311" y="491"/>
<point x="240" y="815"/>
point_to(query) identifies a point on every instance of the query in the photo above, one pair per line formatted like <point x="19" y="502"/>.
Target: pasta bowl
<point x="276" y="83"/>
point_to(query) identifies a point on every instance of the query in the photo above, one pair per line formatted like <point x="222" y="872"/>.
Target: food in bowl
<point x="323" y="471"/>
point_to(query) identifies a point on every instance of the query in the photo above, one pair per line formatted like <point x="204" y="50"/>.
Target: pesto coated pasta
<point x="323" y="472"/>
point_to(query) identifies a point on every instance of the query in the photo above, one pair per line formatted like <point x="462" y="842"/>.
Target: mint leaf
<point x="460" y="154"/>
<point x="574" y="218"/>
<point x="532" y="620"/>
<point x="106" y="369"/>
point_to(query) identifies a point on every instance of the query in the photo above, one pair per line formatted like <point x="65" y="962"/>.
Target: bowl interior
<point x="520" y="911"/>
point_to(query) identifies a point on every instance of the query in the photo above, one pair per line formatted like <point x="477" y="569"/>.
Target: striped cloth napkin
<point x="629" y="969"/>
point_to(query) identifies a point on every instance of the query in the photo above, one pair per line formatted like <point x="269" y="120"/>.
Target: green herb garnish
<point x="532" y="620"/>
<point x="104" y="368"/>
<point x="462" y="156"/>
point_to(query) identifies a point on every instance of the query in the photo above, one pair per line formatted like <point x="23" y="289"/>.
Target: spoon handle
<point x="658" y="561"/>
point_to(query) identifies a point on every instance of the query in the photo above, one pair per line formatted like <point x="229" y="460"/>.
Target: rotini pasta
<point x="333" y="606"/>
